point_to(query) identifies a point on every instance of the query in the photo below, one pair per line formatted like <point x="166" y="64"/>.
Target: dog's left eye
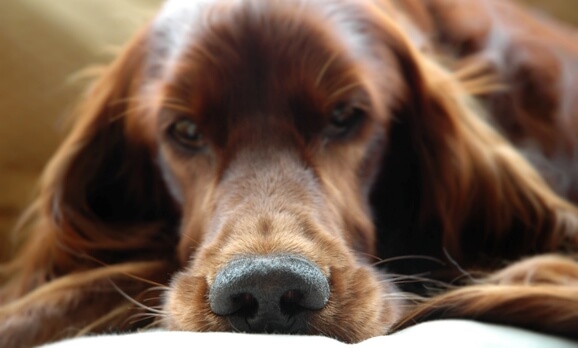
<point x="344" y="118"/>
<point x="187" y="134"/>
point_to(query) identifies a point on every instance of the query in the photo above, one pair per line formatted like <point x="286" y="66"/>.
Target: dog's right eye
<point x="186" y="133"/>
<point x="344" y="118"/>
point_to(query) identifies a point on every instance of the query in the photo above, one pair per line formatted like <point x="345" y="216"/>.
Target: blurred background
<point x="44" y="46"/>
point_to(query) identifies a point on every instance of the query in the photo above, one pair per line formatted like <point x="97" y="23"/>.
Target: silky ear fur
<point x="101" y="199"/>
<point x="454" y="188"/>
<point x="538" y="293"/>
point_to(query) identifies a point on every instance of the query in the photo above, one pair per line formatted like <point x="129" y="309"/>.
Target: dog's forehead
<point x="232" y="63"/>
<point x="182" y="21"/>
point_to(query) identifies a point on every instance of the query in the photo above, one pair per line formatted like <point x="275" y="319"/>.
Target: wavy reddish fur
<point x="464" y="155"/>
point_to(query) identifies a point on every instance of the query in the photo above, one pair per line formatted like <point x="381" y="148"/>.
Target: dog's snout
<point x="274" y="293"/>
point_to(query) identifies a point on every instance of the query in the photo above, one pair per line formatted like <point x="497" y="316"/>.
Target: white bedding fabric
<point x="443" y="333"/>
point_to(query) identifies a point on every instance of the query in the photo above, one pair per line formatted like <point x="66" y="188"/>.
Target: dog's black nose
<point x="274" y="293"/>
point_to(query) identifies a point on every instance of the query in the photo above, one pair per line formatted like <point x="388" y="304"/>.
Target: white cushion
<point x="442" y="333"/>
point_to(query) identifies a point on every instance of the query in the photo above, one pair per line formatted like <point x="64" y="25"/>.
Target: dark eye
<point x="187" y="134"/>
<point x="344" y="119"/>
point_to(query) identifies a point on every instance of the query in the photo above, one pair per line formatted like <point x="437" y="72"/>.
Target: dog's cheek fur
<point x="187" y="306"/>
<point x="359" y="306"/>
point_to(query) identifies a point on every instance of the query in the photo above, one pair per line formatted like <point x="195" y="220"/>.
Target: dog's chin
<point x="350" y="304"/>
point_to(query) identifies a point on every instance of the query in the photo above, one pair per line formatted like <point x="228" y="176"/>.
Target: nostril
<point x="244" y="305"/>
<point x="291" y="302"/>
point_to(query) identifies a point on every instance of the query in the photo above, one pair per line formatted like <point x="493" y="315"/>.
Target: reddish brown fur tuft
<point x="339" y="132"/>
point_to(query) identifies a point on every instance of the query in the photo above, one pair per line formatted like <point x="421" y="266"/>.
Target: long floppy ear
<point x="102" y="230"/>
<point x="101" y="198"/>
<point x="451" y="186"/>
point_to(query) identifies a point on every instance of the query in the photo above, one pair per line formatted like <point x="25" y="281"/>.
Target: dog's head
<point x="270" y="137"/>
<point x="269" y="127"/>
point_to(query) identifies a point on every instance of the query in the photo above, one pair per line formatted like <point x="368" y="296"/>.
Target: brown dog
<point x="258" y="156"/>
